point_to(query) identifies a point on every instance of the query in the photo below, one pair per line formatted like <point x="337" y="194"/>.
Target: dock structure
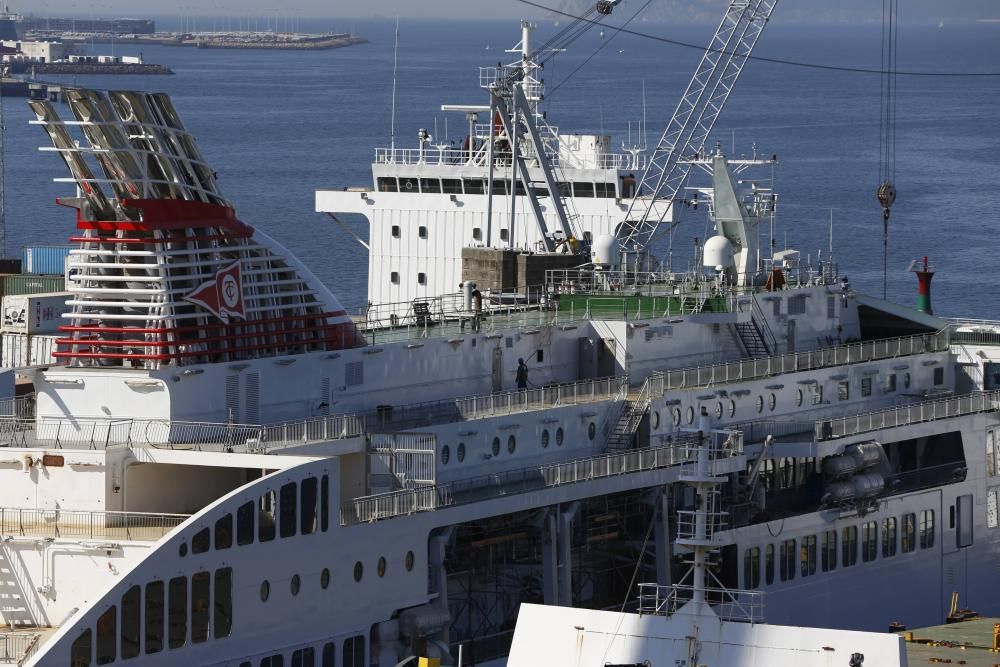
<point x="972" y="643"/>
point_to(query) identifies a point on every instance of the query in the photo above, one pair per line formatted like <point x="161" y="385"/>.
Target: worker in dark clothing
<point x="522" y="374"/>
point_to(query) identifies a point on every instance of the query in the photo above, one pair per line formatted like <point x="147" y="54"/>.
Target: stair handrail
<point x="762" y="326"/>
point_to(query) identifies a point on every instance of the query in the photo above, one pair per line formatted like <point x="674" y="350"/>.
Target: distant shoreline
<point x="89" y="68"/>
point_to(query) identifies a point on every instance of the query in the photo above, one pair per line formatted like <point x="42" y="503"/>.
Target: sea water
<point x="277" y="126"/>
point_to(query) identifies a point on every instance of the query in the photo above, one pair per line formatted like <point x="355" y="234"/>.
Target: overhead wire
<point x="776" y="61"/>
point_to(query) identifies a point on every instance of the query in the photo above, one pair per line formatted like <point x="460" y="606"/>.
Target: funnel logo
<point x="223" y="295"/>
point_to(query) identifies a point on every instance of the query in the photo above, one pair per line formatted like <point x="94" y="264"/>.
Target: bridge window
<point x="908" y="536"/>
<point x="751" y="567"/>
<point x="888" y="537"/>
<point x="308" y="523"/>
<point x="451" y="186"/>
<point x="107" y="639"/>
<point x="244" y="524"/>
<point x="474" y="186"/>
<point x="324" y="503"/>
<point x="786" y="562"/>
<point x="177" y="612"/>
<point x="769" y="564"/>
<point x="224" y="532"/>
<point x="223" y="617"/>
<point x="807" y="555"/>
<point x="131" y="616"/>
<point x="869" y="541"/>
<point x="287" y="510"/>
<point x="386" y="184"/>
<point x="828" y="550"/>
<point x="200" y="584"/>
<point x="82" y="649"/>
<point x="201" y="542"/>
<point x="304" y="657"/>
<point x="407" y="186"/>
<point x="329" y="655"/>
<point x="354" y="652"/>
<point x="154" y="617"/>
<point x="849" y="545"/>
<point x="265" y="517"/>
<point x="605" y="190"/>
<point x="501" y="187"/>
<point x="583" y="189"/>
<point x="565" y="189"/>
<point x="431" y="185"/>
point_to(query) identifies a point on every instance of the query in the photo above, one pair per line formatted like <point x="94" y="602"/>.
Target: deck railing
<point x="87" y="524"/>
<point x="728" y="604"/>
<point x="914" y="413"/>
<point x="792" y="362"/>
<point x="17" y="647"/>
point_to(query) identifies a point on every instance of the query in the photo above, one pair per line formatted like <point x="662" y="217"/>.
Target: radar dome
<point x="718" y="252"/>
<point x="605" y="250"/>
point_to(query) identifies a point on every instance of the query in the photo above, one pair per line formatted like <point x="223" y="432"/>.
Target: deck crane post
<point x="688" y="130"/>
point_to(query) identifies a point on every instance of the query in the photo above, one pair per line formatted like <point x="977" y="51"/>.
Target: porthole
<point x="381" y="566"/>
<point x="295" y="585"/>
<point x="545" y="438"/>
<point x="906" y="380"/>
<point x="324" y="578"/>
<point x="591" y="430"/>
<point x="732" y="408"/>
<point x="265" y="590"/>
<point x="511" y="444"/>
<point x="496" y="446"/>
<point x="445" y="455"/>
<point x="690" y="414"/>
<point x="799" y="397"/>
<point x="183" y="550"/>
<point x="760" y="403"/>
<point x="358" y="571"/>
<point x="461" y="452"/>
<point x="409" y="561"/>
<point x="676" y="415"/>
<point x="772" y="401"/>
<point x="718" y="410"/>
<point x="654" y="419"/>
<point x="559" y="436"/>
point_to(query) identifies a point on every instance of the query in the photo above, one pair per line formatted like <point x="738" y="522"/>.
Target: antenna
<point x="392" y="127"/>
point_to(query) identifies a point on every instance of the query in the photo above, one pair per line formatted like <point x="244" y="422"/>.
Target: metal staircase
<point x="752" y="340"/>
<point x="633" y="410"/>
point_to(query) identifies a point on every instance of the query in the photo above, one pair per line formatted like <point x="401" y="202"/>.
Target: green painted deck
<point x="969" y="643"/>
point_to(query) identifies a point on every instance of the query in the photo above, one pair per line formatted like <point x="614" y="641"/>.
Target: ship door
<point x="586" y="353"/>
<point x="606" y="358"/>
<point x="497" y="369"/>
<point x="791" y="336"/>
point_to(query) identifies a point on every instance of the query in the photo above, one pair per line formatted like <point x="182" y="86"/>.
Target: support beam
<point x="566" y="517"/>
<point x="664" y="548"/>
<point x="550" y="558"/>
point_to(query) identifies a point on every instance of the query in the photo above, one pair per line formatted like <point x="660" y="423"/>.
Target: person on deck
<point x="522" y="374"/>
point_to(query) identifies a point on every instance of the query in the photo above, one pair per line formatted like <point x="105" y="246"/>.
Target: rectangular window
<point x="843" y="390"/>
<point x="308" y="525"/>
<point x="276" y="660"/>
<point x="223" y="607"/>
<point x="751" y="568"/>
<point x="583" y="189"/>
<point x="107" y="639"/>
<point x="504" y="235"/>
<point x="287" y="509"/>
<point x="421" y="278"/>
<point x="451" y="186"/>
<point x="154" y="616"/>
<point x="244" y="524"/>
<point x="354" y="652"/>
<point x="422" y="232"/>
<point x="131" y="618"/>
<point x="869" y="541"/>
<point x="565" y="189"/>
<point x="324" y="503"/>
<point x="866" y="386"/>
<point x="304" y="657"/>
<point x="769" y="564"/>
<point x="938" y="375"/>
<point x="477" y="234"/>
<point x="431" y="185"/>
<point x="474" y="186"/>
<point x="394" y="277"/>
<point x="200" y="586"/>
<point x="963" y="536"/>
<point x="828" y="551"/>
<point x="265" y="517"/>
<point x="807" y="555"/>
<point x="849" y="545"/>
<point x="387" y="184"/>
<point x="395" y="231"/>
<point x="908" y="535"/>
<point x="990" y="454"/>
<point x="890" y="383"/>
<point x="605" y="190"/>
<point x="501" y="187"/>
<point x="991" y="508"/>
<point x="889" y="537"/>
<point x="201" y="542"/>
<point x="817" y="393"/>
<point x="786" y="560"/>
<point x="926" y="529"/>
<point x="82" y="650"/>
<point x="224" y="532"/>
<point x="329" y="655"/>
<point x="177" y="613"/>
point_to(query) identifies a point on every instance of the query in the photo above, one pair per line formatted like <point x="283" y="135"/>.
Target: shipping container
<point x="33" y="313"/>
<point x="27" y="284"/>
<point x="20" y="350"/>
<point x="47" y="260"/>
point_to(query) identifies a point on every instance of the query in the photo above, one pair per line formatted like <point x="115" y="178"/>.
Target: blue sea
<point x="279" y="125"/>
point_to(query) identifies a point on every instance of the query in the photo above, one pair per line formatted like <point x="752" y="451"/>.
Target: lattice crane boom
<point x="693" y="119"/>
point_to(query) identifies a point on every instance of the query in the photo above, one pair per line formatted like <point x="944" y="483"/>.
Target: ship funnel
<point x="925" y="271"/>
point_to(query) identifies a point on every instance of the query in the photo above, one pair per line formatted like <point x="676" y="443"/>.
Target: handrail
<point x="791" y="362"/>
<point x="729" y="604"/>
<point x="17" y="647"/>
<point x="914" y="413"/>
<point x="87" y="524"/>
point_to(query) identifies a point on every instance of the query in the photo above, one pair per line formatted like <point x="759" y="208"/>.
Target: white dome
<point x="718" y="252"/>
<point x="605" y="250"/>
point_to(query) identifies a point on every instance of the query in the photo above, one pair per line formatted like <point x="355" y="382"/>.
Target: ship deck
<point x="969" y="643"/>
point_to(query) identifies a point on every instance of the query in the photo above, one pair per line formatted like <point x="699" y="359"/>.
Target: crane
<point x="692" y="122"/>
